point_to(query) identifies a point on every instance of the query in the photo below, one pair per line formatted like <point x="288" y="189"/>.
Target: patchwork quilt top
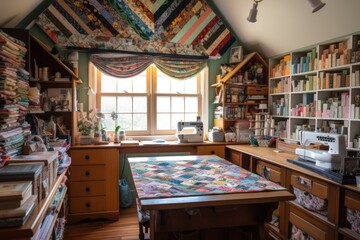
<point x="156" y="179"/>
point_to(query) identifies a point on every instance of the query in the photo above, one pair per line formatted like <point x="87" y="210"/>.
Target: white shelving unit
<point x="314" y="88"/>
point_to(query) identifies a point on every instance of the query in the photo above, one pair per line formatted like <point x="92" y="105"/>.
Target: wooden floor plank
<point x="126" y="228"/>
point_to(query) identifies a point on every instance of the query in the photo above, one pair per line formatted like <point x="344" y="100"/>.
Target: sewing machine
<point x="190" y="132"/>
<point x="330" y="159"/>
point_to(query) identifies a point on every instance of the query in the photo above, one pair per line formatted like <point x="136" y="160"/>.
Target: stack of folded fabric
<point x="14" y="87"/>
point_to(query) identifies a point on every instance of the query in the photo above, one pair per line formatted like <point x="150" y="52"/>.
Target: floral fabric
<point x="297" y="234"/>
<point x="353" y="217"/>
<point x="129" y="65"/>
<point x="311" y="202"/>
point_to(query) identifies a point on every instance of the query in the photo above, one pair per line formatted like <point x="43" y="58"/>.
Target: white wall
<point x="286" y="25"/>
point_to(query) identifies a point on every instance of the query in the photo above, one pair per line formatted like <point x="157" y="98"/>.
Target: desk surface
<point x="232" y="184"/>
<point x="280" y="158"/>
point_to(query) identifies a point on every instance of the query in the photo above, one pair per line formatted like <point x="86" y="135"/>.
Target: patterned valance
<point x="129" y="65"/>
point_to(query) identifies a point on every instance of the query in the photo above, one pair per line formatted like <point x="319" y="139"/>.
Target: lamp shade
<point x="253" y="13"/>
<point x="316" y="5"/>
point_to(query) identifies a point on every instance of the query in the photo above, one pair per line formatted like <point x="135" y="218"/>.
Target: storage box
<point x="49" y="173"/>
<point x="216" y="137"/>
<point x="256" y="90"/>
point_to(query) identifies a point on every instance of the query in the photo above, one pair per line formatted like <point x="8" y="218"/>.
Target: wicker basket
<point x="266" y="142"/>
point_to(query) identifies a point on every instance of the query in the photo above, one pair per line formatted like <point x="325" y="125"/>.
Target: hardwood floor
<point x="126" y="228"/>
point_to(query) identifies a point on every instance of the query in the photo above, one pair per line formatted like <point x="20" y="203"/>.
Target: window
<point x="150" y="103"/>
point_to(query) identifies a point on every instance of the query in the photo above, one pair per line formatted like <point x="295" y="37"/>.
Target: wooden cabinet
<point x="236" y="97"/>
<point x="212" y="150"/>
<point x="308" y="226"/>
<point x="349" y="227"/>
<point x="94" y="190"/>
<point x="322" y="209"/>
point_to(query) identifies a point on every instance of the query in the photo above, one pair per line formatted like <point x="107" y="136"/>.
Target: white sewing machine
<point x="330" y="159"/>
<point x="189" y="132"/>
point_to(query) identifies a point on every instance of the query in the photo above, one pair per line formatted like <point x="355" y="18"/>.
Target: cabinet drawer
<point x="86" y="156"/>
<point x="257" y="90"/>
<point x="269" y="171"/>
<point x="85" y="189"/>
<point x="309" y="225"/>
<point x="88" y="173"/>
<point x="310" y="185"/>
<point x="211" y="150"/>
<point x="87" y="204"/>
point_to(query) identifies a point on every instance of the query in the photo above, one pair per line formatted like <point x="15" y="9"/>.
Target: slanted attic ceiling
<point x="185" y="23"/>
<point x="282" y="26"/>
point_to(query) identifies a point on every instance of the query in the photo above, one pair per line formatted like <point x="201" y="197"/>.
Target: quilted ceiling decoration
<point x="178" y="27"/>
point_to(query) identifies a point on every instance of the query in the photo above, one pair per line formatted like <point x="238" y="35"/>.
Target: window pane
<point x="163" y="121"/>
<point x="175" y="118"/>
<point x="139" y="83"/>
<point x="125" y="121"/>
<point x="162" y="84"/>
<point x="177" y="86"/>
<point x="177" y="104"/>
<point x="190" y="117"/>
<point x="124" y="105"/>
<point x="124" y="85"/>
<point x="108" y="83"/>
<point x="191" y="104"/>
<point x="140" y="104"/>
<point x="108" y="104"/>
<point x="191" y="85"/>
<point x="108" y="123"/>
<point x="163" y="104"/>
<point x="140" y="122"/>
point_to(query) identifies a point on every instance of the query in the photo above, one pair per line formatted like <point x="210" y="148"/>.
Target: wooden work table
<point x="95" y="172"/>
<point x="210" y="215"/>
<point x="339" y="198"/>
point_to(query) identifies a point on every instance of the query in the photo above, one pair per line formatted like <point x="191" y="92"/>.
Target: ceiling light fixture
<point x="316" y="5"/>
<point x="253" y="12"/>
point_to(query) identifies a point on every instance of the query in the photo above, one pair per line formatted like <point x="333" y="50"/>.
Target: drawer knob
<point x="87" y="189"/>
<point x="88" y="205"/>
<point x="212" y="152"/>
<point x="87" y="173"/>
<point x="87" y="157"/>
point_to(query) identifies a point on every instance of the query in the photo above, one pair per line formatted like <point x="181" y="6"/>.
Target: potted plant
<point x="114" y="117"/>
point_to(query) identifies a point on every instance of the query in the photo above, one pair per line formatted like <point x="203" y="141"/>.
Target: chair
<point x="144" y="220"/>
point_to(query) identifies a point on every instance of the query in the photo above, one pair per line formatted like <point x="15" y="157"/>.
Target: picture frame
<point x="236" y="54"/>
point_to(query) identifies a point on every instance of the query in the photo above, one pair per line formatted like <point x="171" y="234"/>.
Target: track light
<point x="253" y="11"/>
<point x="316" y="5"/>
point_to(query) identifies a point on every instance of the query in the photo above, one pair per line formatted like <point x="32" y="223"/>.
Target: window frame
<point x="151" y="94"/>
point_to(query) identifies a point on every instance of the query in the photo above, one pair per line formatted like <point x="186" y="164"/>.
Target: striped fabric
<point x="127" y="65"/>
<point x="187" y="23"/>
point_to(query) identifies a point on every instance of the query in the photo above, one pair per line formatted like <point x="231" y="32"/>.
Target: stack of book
<point x="16" y="203"/>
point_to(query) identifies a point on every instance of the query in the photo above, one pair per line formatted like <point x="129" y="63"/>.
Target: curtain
<point x="128" y="65"/>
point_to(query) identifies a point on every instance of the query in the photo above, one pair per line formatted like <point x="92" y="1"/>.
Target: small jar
<point x="122" y="135"/>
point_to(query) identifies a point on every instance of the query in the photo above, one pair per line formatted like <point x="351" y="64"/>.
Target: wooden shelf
<point x="33" y="223"/>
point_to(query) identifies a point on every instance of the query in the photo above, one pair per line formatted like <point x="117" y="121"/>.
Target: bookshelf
<point x="315" y="88"/>
<point x="236" y="98"/>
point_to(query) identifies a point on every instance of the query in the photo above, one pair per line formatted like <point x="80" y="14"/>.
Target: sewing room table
<point x="204" y="197"/>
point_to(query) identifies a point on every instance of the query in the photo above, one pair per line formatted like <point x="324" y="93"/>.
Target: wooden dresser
<point x="321" y="225"/>
<point x="94" y="191"/>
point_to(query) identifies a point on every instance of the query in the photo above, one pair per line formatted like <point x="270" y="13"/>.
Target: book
<point x="17" y="216"/>
<point x="14" y="190"/>
<point x="18" y="172"/>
